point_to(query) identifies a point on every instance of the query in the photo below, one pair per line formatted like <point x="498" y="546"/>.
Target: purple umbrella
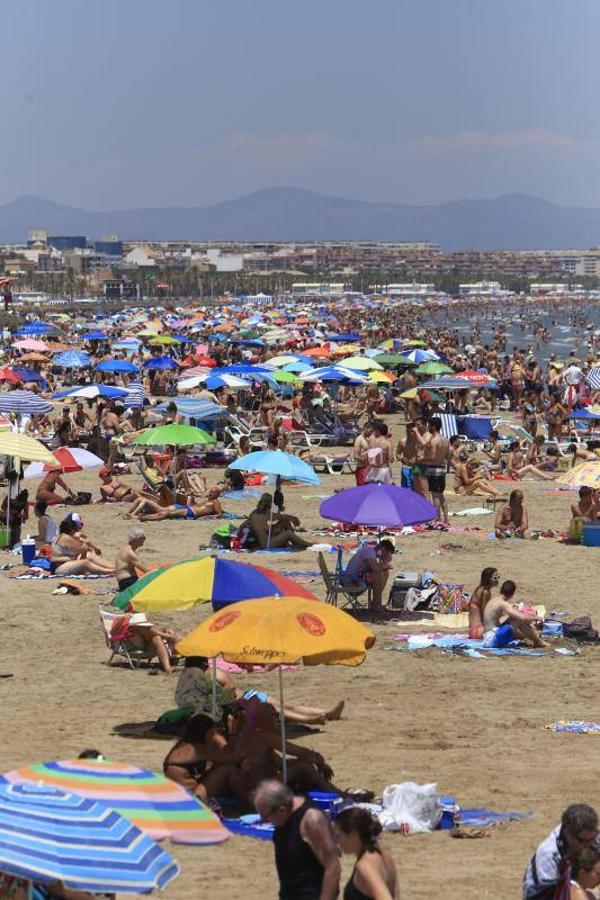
<point x="382" y="505"/>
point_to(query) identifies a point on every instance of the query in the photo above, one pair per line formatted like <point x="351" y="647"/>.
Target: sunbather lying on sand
<point x="150" y="511"/>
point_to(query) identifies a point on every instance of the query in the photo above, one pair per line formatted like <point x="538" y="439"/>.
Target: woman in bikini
<point x="72" y="553"/>
<point x="512" y="519"/>
<point x="480" y="596"/>
<point x="47" y="489"/>
<point x="374" y="875"/>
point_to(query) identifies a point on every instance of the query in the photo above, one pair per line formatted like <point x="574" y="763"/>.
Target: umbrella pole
<point x="270" y="525"/>
<point x="214" y="688"/>
<point x="282" y="725"/>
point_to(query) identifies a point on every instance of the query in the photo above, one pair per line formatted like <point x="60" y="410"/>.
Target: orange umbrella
<point x="34" y="357"/>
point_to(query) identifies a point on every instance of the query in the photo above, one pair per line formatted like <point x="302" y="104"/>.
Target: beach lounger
<point x="334" y="587"/>
<point x="334" y="465"/>
<point x="119" y="648"/>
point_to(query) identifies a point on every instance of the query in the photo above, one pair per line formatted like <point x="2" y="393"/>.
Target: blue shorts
<point x="503" y="636"/>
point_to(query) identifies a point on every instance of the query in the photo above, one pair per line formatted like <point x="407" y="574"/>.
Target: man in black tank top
<point x="305" y="853"/>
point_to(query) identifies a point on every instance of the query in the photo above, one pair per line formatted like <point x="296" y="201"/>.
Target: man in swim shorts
<point x="128" y="563"/>
<point x="503" y="623"/>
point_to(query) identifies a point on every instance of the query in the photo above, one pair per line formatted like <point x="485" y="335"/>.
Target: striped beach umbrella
<point x="91" y="392"/>
<point x="22" y="446"/>
<point x="586" y="474"/>
<point x="209" y="579"/>
<point x="26" y="403"/>
<point x="48" y="835"/>
<point x="157" y="805"/>
<point x="68" y="459"/>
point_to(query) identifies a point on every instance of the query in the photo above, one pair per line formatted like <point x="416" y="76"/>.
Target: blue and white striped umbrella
<point x="48" y="835"/>
<point x="134" y="396"/>
<point x="195" y="408"/>
<point x="25" y="403"/>
<point x="72" y="359"/>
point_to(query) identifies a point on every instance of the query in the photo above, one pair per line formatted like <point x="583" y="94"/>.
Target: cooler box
<point x="591" y="535"/>
<point x="403" y="581"/>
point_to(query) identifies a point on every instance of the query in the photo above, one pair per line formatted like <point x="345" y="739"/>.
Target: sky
<point x="112" y="104"/>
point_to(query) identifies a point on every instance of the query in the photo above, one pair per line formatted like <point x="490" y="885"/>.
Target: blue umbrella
<point x="276" y="462"/>
<point x="192" y="407"/>
<point x="134" y="396"/>
<point x="47" y="835"/>
<point x="35" y="328"/>
<point x="91" y="391"/>
<point x="161" y="363"/>
<point x="334" y="373"/>
<point x="72" y="359"/>
<point x="419" y="356"/>
<point x="117" y="365"/>
<point x="297" y="366"/>
<point x="24" y="403"/>
<point x="30" y="375"/>
<point x="94" y="336"/>
<point x="349" y="337"/>
<point x="582" y="413"/>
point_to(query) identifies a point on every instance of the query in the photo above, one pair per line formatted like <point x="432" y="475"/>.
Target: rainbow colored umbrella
<point x="209" y="579"/>
<point x="157" y="805"/>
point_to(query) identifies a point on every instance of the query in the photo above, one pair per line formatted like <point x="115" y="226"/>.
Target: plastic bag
<point x="411" y="806"/>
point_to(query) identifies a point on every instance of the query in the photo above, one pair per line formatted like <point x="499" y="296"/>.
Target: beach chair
<point x="119" y="648"/>
<point x="334" y="587"/>
<point x="333" y="465"/>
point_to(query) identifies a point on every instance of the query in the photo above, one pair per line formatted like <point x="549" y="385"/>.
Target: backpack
<point x="581" y="629"/>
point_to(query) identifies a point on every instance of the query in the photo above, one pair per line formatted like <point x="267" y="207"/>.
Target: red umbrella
<point x="206" y="361"/>
<point x="474" y="377"/>
<point x="7" y="374"/>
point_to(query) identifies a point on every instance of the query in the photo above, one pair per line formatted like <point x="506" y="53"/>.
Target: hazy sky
<point x="118" y="103"/>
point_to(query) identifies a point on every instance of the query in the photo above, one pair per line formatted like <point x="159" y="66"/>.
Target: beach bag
<point x="452" y="599"/>
<point x="222" y="536"/>
<point x="82" y="498"/>
<point x="411" y="807"/>
<point x="581" y="629"/>
<point x="173" y="721"/>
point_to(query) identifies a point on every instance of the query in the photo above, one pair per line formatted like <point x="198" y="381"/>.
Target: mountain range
<point x="512" y="221"/>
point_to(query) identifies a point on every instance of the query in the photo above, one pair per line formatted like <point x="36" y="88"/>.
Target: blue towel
<point x="247" y="494"/>
<point x="245" y="827"/>
<point x="476" y="817"/>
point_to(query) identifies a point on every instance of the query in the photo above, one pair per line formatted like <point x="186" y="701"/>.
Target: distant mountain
<point x="513" y="221"/>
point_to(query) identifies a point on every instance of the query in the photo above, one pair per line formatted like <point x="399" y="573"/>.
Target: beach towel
<point x="247" y="494"/>
<point x="574" y="726"/>
<point x="473" y="511"/>
<point x="476" y="649"/>
<point x="480" y="817"/>
<point x="250" y="826"/>
<point x="23" y="575"/>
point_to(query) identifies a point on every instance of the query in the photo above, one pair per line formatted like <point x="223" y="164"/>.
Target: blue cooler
<point x="450" y="808"/>
<point x="27" y="550"/>
<point x="591" y="535"/>
<point x="330" y="803"/>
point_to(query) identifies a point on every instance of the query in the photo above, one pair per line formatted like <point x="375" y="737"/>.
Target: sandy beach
<point x="475" y="727"/>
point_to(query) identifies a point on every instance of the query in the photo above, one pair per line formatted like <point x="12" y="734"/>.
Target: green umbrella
<point x="286" y="377"/>
<point x="391" y="360"/>
<point x="173" y="436"/>
<point x="433" y="368"/>
<point x="163" y="340"/>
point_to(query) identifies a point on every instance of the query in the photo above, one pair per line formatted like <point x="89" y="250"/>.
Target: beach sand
<point x="475" y="727"/>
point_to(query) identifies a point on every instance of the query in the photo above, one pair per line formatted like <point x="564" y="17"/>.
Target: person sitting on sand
<point x="194" y="689"/>
<point x="374" y="874"/>
<point x="128" y="563"/>
<point x="204" y="765"/>
<point x="47" y="489"/>
<point x="549" y="865"/>
<point x="138" y="633"/>
<point x="74" y="554"/>
<point x="150" y="511"/>
<point x="479" y="598"/>
<point x="469" y="480"/>
<point x="518" y="468"/>
<point x="47" y="527"/>
<point x="585" y="511"/>
<point x="504" y="623"/>
<point x="512" y="520"/>
<point x="281" y="526"/>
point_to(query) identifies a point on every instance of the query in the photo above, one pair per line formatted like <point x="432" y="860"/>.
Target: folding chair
<point x="335" y="587"/>
<point x="119" y="648"/>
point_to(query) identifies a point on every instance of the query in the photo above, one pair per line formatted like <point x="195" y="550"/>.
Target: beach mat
<point x="247" y="494"/>
<point x="250" y="826"/>
<point x="476" y="817"/>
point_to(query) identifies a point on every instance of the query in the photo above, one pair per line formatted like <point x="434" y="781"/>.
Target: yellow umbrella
<point x="280" y="631"/>
<point x="588" y="474"/>
<point x="24" y="447"/>
<point x="383" y="377"/>
<point x="362" y="364"/>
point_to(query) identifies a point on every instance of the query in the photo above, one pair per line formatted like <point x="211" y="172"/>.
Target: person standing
<point x="305" y="853"/>
<point x="436" y="456"/>
<point x="374" y="874"/>
<point x="359" y="453"/>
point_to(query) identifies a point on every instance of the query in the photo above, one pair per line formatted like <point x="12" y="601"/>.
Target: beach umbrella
<point x="117" y="365"/>
<point x="392" y="360"/>
<point x="212" y="382"/>
<point x="280" y="630"/>
<point x="24" y="403"/>
<point x="361" y="364"/>
<point x="34" y="357"/>
<point x="7" y="374"/>
<point x="382" y="377"/>
<point x="31" y="344"/>
<point x="68" y="460"/>
<point x="586" y="474"/>
<point x="433" y="368"/>
<point x="334" y="373"/>
<point x="156" y="805"/>
<point x="297" y="367"/>
<point x="36" y="328"/>
<point x="420" y="356"/>
<point x="163" y="340"/>
<point x="479" y="379"/>
<point x="72" y="359"/>
<point x="91" y="391"/>
<point x="276" y="462"/>
<point x="24" y="447"/>
<point x="380" y="505"/>
<point x="94" y="336"/>
<point x="413" y="394"/>
<point x="195" y="408"/>
<point x="206" y="580"/>
<point x="161" y="364"/>
<point x="48" y="835"/>
<point x="284" y="360"/>
<point x="585" y="412"/>
<point x="173" y="436"/>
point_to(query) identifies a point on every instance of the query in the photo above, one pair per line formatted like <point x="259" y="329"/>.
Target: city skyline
<point x="132" y="105"/>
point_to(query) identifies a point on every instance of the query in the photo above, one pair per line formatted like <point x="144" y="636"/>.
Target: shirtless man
<point x="209" y="507"/>
<point x="503" y="623"/>
<point x="127" y="562"/>
<point x="359" y="453"/>
<point x="416" y="438"/>
<point x="436" y="456"/>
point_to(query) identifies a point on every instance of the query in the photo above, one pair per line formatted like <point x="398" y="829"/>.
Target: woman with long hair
<point x="374" y="876"/>
<point x="480" y="596"/>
